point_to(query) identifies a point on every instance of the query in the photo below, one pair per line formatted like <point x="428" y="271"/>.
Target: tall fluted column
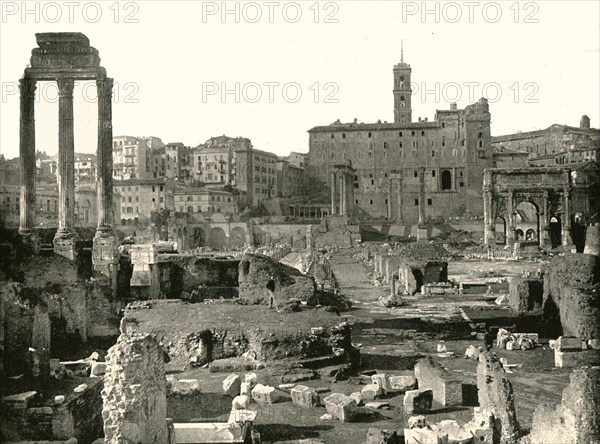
<point x="104" y="154"/>
<point x="27" y="156"/>
<point x="566" y="229"/>
<point x="343" y="192"/>
<point x="66" y="157"/>
<point x="333" y="192"/>
<point x="489" y="222"/>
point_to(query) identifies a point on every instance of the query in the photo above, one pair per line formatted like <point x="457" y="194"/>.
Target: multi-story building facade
<point x="290" y="179"/>
<point x="555" y="139"/>
<point x="391" y="160"/>
<point x="139" y="197"/>
<point x="85" y="167"/>
<point x="203" y="200"/>
<point x="132" y="157"/>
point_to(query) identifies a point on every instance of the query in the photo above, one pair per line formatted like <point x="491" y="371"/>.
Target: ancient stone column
<point x="343" y="194"/>
<point x="389" y="199"/>
<point x="400" y="203"/>
<point x="66" y="157"/>
<point x="488" y="213"/>
<point x="545" y="223"/>
<point x="104" y="154"/>
<point x="27" y="156"/>
<point x="511" y="235"/>
<point x="566" y="220"/>
<point x="333" y="192"/>
<point x="421" y="195"/>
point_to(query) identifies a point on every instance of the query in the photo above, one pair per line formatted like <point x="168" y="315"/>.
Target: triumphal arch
<point x="65" y="58"/>
<point x="548" y="192"/>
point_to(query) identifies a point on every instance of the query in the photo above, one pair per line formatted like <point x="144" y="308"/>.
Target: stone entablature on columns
<point x="65" y="58"/>
<point x="549" y="189"/>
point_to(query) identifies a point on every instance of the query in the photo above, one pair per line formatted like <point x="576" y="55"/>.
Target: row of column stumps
<point x="66" y="153"/>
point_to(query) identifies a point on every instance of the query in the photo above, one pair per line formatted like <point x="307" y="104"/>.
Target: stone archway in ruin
<point x="237" y="238"/>
<point x="500" y="230"/>
<point x="199" y="238"/>
<point x="555" y="231"/>
<point x="65" y="58"/>
<point x="527" y="220"/>
<point x="218" y="239"/>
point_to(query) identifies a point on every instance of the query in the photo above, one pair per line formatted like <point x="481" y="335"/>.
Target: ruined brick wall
<point x="573" y="284"/>
<point x="188" y="273"/>
<point x="256" y="270"/>
<point x="525" y="294"/>
<point x="447" y="390"/>
<point x="135" y="392"/>
<point x="577" y="418"/>
<point x="496" y="396"/>
<point x="25" y="323"/>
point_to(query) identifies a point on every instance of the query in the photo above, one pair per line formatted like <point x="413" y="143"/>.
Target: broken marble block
<point x="403" y="383"/>
<point x="382" y="380"/>
<point x="186" y="387"/>
<point x="357" y="396"/>
<point x="246" y="389"/>
<point x="232" y="385"/>
<point x="418" y="401"/>
<point x="417" y="422"/>
<point x="423" y="436"/>
<point x="341" y="407"/>
<point x="240" y="402"/>
<point x="98" y="368"/>
<point x="251" y="378"/>
<point x="304" y="396"/>
<point x="265" y="394"/>
<point x="371" y="392"/>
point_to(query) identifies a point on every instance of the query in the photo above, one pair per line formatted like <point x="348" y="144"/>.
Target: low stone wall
<point x="572" y="282"/>
<point x="135" y="392"/>
<point x="447" y="390"/>
<point x="414" y="274"/>
<point x="577" y="418"/>
<point x="525" y="294"/>
<point x="256" y="270"/>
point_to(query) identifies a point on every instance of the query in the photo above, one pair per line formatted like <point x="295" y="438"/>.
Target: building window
<point x="412" y="133"/>
<point x="371" y="201"/>
<point x="385" y="144"/>
<point x="422" y="133"/>
<point x="400" y="134"/>
<point x="429" y="202"/>
<point x="399" y="144"/>
<point x="432" y="153"/>
<point x="480" y="134"/>
<point x="416" y="201"/>
<point x="446" y="180"/>
<point x="416" y="173"/>
<point x="432" y="173"/>
<point x="443" y="124"/>
<point x="332" y="136"/>
<point x="481" y="144"/>
<point x="343" y="135"/>
<point x="462" y="142"/>
<point x="370" y="134"/>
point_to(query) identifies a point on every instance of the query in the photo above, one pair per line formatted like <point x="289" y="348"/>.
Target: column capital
<point x="65" y="86"/>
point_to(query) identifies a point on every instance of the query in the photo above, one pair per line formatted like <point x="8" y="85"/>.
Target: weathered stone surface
<point x="185" y="387"/>
<point x="496" y="396"/>
<point x="206" y="432"/>
<point x="377" y="404"/>
<point x="414" y="274"/>
<point x="232" y="385"/>
<point x="525" y="294"/>
<point x="568" y="343"/>
<point x="264" y="394"/>
<point x="418" y="421"/>
<point x="379" y="436"/>
<point x="383" y="381"/>
<point x="403" y="382"/>
<point x="246" y="388"/>
<point x="341" y="407"/>
<point x="240" y="402"/>
<point x="577" y="418"/>
<point x="135" y="392"/>
<point x="423" y="436"/>
<point x="304" y="396"/>
<point x="447" y="389"/>
<point x="98" y="368"/>
<point x="256" y="270"/>
<point x="572" y="283"/>
<point x="456" y="433"/>
<point x="357" y="396"/>
<point x="417" y="401"/>
<point x="371" y="392"/>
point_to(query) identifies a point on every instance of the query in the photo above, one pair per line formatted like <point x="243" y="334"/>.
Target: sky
<point x="186" y="71"/>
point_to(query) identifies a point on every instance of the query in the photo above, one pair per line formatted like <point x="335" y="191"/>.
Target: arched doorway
<point x="199" y="239"/>
<point x="500" y="230"/>
<point x="237" y="238"/>
<point x="555" y="231"/>
<point x="527" y="220"/>
<point x="218" y="238"/>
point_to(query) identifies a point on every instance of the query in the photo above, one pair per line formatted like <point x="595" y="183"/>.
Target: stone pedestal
<point x="64" y="245"/>
<point x="31" y="242"/>
<point x="422" y="232"/>
<point x="105" y="256"/>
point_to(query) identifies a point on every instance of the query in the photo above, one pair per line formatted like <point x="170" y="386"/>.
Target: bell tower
<point x="402" y="90"/>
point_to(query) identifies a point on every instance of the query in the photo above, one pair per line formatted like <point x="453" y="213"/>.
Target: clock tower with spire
<point x="402" y="90"/>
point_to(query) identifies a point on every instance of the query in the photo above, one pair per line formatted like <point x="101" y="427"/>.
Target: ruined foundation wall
<point x="577" y="418"/>
<point x="430" y="375"/>
<point x="135" y="392"/>
<point x="496" y="396"/>
<point x="525" y="294"/>
<point x="256" y="270"/>
<point x="573" y="283"/>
